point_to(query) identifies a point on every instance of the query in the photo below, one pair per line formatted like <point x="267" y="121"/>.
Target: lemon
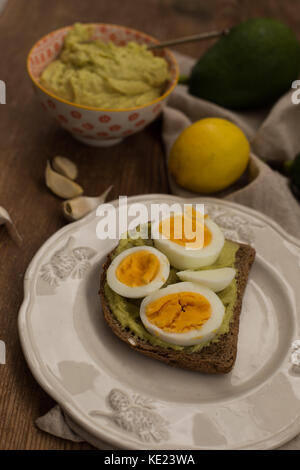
<point x="209" y="155"/>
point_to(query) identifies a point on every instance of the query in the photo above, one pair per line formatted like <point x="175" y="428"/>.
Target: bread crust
<point x="216" y="358"/>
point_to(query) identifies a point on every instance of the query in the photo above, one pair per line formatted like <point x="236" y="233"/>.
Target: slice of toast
<point x="216" y="358"/>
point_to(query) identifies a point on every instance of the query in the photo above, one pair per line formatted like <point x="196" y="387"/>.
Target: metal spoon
<point x="188" y="39"/>
<point x="184" y="40"/>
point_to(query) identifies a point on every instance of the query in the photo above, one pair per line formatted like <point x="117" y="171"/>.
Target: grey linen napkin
<point x="274" y="134"/>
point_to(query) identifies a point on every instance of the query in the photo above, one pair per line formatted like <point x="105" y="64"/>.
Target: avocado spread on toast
<point x="127" y="310"/>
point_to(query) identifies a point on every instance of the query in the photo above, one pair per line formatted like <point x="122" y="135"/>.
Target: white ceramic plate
<point x="141" y="403"/>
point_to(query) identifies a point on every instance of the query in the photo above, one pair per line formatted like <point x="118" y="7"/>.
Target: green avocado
<point x="250" y="67"/>
<point x="127" y="310"/>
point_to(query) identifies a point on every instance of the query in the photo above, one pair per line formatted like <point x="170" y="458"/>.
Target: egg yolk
<point x="180" y="312"/>
<point x="181" y="229"/>
<point x="138" y="269"/>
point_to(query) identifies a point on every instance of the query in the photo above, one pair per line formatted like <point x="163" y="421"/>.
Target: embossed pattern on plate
<point x="131" y="401"/>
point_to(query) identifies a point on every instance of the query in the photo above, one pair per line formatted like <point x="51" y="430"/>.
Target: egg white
<point x="140" y="291"/>
<point x="214" y="279"/>
<point x="194" y="337"/>
<point x="189" y="258"/>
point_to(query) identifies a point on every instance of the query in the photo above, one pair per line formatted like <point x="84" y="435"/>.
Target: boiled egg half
<point x="138" y="271"/>
<point x="184" y="314"/>
<point x="215" y="279"/>
<point x="190" y="241"/>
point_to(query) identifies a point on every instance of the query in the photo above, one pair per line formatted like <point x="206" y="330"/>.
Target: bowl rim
<point x="174" y="81"/>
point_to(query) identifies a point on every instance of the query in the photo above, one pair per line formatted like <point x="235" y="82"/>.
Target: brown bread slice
<point x="216" y="358"/>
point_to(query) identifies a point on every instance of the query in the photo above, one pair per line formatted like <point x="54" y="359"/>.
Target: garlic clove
<point x="65" y="167"/>
<point x="76" y="209"/>
<point x="6" y="220"/>
<point x="60" y="185"/>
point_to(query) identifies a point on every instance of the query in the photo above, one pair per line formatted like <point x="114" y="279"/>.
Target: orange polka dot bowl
<point x="95" y="126"/>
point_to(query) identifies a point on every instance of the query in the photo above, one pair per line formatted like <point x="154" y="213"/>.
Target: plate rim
<point x="271" y="442"/>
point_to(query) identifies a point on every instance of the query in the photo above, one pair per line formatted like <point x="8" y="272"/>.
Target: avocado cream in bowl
<point x="103" y="74"/>
<point x="100" y="81"/>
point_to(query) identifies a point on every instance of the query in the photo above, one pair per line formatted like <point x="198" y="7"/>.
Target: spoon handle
<point x="187" y="39"/>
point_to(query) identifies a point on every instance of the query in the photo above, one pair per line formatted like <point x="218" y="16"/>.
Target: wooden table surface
<point x="28" y="138"/>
